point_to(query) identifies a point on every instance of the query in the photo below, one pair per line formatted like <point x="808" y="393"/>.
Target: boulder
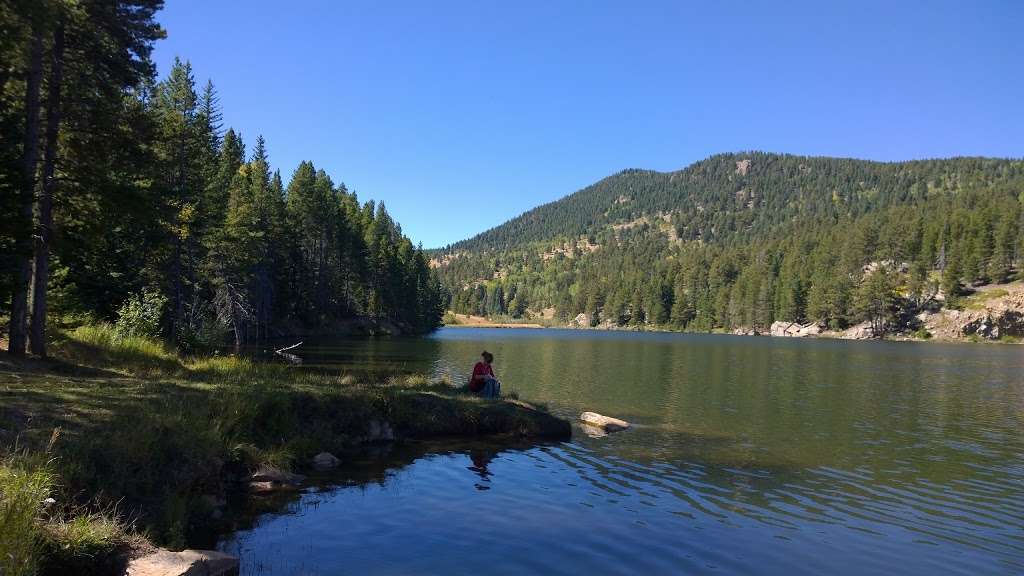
<point x="794" y="330"/>
<point x="862" y="331"/>
<point x="325" y="461"/>
<point x="184" y="563"/>
<point x="605" y="423"/>
<point x="581" y="320"/>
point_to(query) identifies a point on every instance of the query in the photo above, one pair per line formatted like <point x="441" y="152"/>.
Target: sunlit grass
<point x="23" y="489"/>
<point x="978" y="300"/>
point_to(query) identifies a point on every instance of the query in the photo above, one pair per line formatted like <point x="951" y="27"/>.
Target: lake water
<point x="749" y="455"/>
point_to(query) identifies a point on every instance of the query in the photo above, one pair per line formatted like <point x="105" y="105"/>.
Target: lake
<point x="749" y="455"/>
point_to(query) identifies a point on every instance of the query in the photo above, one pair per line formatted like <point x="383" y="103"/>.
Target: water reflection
<point x="749" y="455"/>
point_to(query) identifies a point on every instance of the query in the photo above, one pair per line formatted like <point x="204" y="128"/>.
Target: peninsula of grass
<point x="134" y="444"/>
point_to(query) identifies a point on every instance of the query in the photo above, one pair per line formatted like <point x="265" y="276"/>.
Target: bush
<point x="140" y="315"/>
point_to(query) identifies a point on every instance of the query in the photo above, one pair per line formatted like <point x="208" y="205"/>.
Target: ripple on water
<point x="752" y="456"/>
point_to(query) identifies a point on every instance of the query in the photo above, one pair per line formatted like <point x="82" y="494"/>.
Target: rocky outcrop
<point x="582" y="320"/>
<point x="794" y="330"/>
<point x="862" y="331"/>
<point x="184" y="563"/>
<point x="995" y="326"/>
<point x="991" y="313"/>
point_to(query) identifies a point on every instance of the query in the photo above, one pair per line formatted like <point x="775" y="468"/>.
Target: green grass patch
<point x="978" y="300"/>
<point x="147" y="434"/>
<point x="23" y="489"/>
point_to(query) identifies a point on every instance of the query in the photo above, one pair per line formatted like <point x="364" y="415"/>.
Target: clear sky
<point x="460" y="115"/>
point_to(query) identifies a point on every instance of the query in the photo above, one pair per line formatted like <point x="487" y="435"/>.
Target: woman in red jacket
<point x="482" y="381"/>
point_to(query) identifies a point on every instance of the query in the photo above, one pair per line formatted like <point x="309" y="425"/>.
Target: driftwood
<point x="605" y="423"/>
<point x="291" y="358"/>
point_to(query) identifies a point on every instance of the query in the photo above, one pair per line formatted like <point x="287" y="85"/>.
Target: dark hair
<point x="488" y="356"/>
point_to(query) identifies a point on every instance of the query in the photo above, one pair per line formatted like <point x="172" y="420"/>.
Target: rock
<point x="794" y="330"/>
<point x="276" y="476"/>
<point x="272" y="480"/>
<point x="264" y="487"/>
<point x="184" y="563"/>
<point x="862" y="331"/>
<point x="325" y="461"/>
<point x="746" y="331"/>
<point x="593" y="431"/>
<point x="581" y="320"/>
<point x="605" y="423"/>
<point x="1010" y="323"/>
<point x="983" y="327"/>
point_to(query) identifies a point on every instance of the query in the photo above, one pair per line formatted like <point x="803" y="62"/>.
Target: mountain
<point x="745" y="239"/>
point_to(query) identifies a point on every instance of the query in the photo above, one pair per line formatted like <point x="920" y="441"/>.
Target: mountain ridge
<point x="685" y="248"/>
<point x="612" y="179"/>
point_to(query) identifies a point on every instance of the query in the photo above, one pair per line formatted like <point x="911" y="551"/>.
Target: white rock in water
<point x="607" y="423"/>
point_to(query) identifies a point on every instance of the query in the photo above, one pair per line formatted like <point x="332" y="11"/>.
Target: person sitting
<point x="482" y="381"/>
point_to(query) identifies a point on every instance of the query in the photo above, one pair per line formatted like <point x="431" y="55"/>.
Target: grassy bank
<point x="147" y="440"/>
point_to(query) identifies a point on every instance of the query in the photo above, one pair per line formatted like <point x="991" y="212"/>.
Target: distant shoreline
<point x="657" y="330"/>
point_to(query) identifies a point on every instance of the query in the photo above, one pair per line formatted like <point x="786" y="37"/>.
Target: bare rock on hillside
<point x="997" y="316"/>
<point x="862" y="331"/>
<point x="581" y="320"/>
<point x="184" y="563"/>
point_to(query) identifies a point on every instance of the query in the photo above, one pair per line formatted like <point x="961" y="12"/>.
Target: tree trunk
<point x="42" y="271"/>
<point x="30" y="154"/>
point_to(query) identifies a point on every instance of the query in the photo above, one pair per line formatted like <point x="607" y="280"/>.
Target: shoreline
<point x="128" y="438"/>
<point x="821" y="336"/>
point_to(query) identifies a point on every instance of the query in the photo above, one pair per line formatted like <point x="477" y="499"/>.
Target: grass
<point x="23" y="489"/>
<point x="978" y="300"/>
<point x="147" y="434"/>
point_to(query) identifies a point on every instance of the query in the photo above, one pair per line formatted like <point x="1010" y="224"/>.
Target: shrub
<point x="140" y="315"/>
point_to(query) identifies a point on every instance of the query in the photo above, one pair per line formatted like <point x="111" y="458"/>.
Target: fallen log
<point x="291" y="358"/>
<point x="606" y="423"/>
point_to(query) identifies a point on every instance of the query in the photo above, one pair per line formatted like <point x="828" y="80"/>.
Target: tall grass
<point x="100" y="344"/>
<point x="23" y="489"/>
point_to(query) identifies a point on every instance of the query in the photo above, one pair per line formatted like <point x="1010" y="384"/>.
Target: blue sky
<point x="461" y="115"/>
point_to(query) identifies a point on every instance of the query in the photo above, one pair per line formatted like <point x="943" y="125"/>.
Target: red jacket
<point x="479" y="377"/>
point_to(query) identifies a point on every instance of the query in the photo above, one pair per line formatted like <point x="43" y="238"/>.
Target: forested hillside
<point x="117" y="188"/>
<point x="742" y="240"/>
